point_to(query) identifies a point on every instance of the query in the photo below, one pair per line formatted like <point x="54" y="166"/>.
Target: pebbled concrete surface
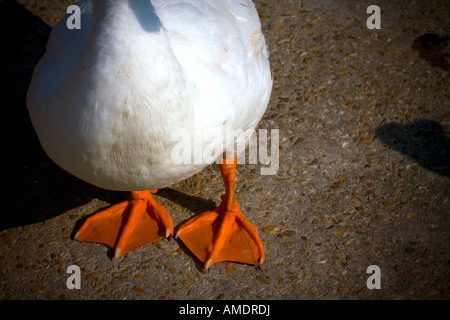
<point x="364" y="124"/>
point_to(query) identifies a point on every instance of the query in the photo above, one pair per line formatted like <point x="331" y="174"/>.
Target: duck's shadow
<point x="27" y="172"/>
<point x="192" y="203"/>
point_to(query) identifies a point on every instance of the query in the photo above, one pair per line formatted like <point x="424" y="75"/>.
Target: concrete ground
<point x="364" y="123"/>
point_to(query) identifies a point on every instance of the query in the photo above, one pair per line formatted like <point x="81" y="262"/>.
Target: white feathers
<point x="105" y="99"/>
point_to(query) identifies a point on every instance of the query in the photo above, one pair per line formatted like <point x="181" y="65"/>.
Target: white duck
<point x="104" y="101"/>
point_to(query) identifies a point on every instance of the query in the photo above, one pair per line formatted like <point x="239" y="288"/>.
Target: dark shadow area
<point x="431" y="48"/>
<point x="146" y="15"/>
<point x="32" y="185"/>
<point x="424" y="141"/>
<point x="195" y="204"/>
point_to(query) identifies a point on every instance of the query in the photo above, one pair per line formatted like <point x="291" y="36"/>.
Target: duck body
<point x="106" y="99"/>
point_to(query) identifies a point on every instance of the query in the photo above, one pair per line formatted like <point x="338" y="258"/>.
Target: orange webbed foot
<point x="128" y="225"/>
<point x="223" y="234"/>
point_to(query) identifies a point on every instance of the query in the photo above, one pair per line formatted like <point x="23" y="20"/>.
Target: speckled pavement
<point x="364" y="176"/>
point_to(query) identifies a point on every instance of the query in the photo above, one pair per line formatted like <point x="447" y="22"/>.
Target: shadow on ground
<point x="431" y="48"/>
<point x="424" y="141"/>
<point x="29" y="191"/>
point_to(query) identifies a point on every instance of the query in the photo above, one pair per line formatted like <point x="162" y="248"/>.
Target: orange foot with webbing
<point x="128" y="225"/>
<point x="223" y="234"/>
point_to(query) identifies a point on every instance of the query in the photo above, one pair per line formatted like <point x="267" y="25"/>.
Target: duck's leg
<point x="128" y="225"/>
<point x="223" y="234"/>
